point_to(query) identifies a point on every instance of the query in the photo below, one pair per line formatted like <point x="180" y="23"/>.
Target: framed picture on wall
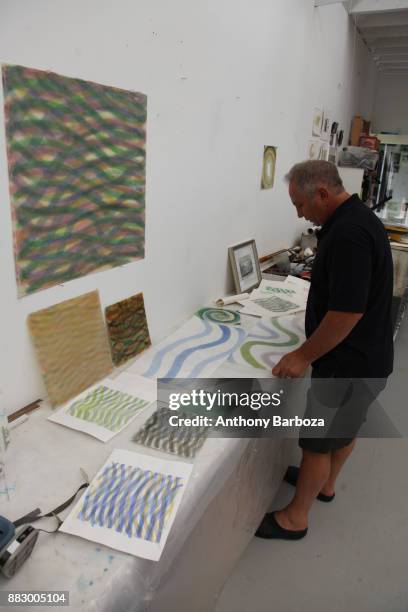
<point x="313" y="149"/>
<point x="324" y="151"/>
<point x="326" y="125"/>
<point x="245" y="266"/>
<point x="317" y="122"/>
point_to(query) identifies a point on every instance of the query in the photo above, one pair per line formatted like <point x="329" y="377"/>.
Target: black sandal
<point x="291" y="476"/>
<point x="270" y="529"/>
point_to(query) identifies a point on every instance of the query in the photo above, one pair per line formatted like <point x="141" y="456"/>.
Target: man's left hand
<point x="292" y="365"/>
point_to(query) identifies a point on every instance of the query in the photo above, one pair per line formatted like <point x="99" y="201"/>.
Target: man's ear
<point x="323" y="193"/>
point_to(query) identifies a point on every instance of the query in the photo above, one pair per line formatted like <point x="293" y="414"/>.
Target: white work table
<point x="232" y="485"/>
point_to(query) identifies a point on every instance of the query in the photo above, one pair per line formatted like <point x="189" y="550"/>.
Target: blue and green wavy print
<point x="131" y="501"/>
<point x="76" y="156"/>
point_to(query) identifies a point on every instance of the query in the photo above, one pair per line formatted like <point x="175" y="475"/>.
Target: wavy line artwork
<point x="131" y="501"/>
<point x="219" y="315"/>
<point x="107" y="408"/>
<point x="184" y="441"/>
<point x="127" y="328"/>
<point x="275" y="304"/>
<point x="72" y="346"/>
<point x="279" y="290"/>
<point x="195" y="350"/>
<point x="76" y="156"/>
<point x="268" y="341"/>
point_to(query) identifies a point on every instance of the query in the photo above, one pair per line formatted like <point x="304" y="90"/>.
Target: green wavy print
<point x="246" y="348"/>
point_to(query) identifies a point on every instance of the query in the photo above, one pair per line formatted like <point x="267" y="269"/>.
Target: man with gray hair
<point x="348" y="329"/>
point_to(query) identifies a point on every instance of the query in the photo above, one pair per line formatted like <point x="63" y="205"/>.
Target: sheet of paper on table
<point x="301" y="284"/>
<point x="131" y="503"/>
<point x="271" y="305"/>
<point x="277" y="298"/>
<point x="290" y="288"/>
<point x="107" y="407"/>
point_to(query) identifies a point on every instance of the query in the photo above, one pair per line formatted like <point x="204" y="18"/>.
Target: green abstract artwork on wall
<point x="76" y="156"/>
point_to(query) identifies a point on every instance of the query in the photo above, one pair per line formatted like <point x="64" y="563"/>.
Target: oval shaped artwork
<point x="268" y="169"/>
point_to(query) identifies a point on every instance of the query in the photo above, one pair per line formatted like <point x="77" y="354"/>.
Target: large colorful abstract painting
<point x="76" y="154"/>
<point x="71" y="345"/>
<point x="106" y="408"/>
<point x="131" y="503"/>
<point x="127" y="327"/>
<point x="195" y="350"/>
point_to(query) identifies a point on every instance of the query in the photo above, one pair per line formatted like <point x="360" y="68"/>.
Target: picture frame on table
<point x="245" y="266"/>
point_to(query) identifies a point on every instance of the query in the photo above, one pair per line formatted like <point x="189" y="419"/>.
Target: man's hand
<point x="292" y="365"/>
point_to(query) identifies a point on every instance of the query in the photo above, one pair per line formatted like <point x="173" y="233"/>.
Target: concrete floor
<point x="354" y="557"/>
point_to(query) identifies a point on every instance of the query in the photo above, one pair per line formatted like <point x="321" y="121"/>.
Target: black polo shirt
<point x="353" y="272"/>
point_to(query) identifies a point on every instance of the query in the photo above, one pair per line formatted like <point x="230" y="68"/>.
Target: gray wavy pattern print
<point x="276" y="304"/>
<point x="182" y="440"/>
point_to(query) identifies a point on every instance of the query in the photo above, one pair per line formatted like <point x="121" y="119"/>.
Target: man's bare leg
<point x="337" y="460"/>
<point x="314" y="473"/>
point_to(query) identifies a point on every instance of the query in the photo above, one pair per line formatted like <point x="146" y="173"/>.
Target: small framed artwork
<point x="317" y="122"/>
<point x="245" y="266"/>
<point x="333" y="133"/>
<point x="313" y="150"/>
<point x="268" y="167"/>
<point x="324" y="151"/>
<point x="332" y="155"/>
<point x="326" y="125"/>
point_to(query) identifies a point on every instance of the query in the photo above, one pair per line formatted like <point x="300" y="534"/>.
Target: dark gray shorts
<point x="344" y="401"/>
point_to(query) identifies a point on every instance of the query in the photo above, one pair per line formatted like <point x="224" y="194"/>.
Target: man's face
<point x="310" y="207"/>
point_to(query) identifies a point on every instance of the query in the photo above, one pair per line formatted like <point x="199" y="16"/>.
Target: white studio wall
<point x="223" y="78"/>
<point x="391" y="103"/>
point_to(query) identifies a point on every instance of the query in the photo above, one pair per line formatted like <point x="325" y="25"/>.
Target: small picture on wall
<point x="245" y="266"/>
<point x="268" y="167"/>
<point x="333" y="155"/>
<point x="326" y="125"/>
<point x="324" y="151"/>
<point x="333" y="133"/>
<point x="313" y="149"/>
<point x="317" y="122"/>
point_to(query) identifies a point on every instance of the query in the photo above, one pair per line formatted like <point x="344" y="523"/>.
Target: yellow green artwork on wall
<point x="72" y="346"/>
